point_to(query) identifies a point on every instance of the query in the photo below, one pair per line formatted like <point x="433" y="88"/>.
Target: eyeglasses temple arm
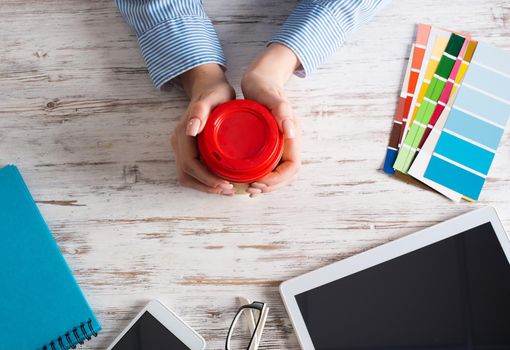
<point x="258" y="335"/>
<point x="250" y="318"/>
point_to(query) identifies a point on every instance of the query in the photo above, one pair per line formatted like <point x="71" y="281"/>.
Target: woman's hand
<point x="207" y="87"/>
<point x="263" y="82"/>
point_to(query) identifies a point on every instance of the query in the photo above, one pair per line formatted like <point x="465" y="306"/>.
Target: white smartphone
<point x="156" y="327"/>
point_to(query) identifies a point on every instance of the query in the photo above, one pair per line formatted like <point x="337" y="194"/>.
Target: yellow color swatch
<point x="437" y="52"/>
<point x="464" y="65"/>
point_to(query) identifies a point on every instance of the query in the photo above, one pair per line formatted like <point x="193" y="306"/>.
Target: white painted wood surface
<point x="81" y="119"/>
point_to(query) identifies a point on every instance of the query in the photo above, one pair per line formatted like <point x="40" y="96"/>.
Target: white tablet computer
<point x="446" y="287"/>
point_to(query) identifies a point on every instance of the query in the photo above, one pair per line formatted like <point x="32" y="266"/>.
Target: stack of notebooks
<point x="451" y="114"/>
<point x="41" y="305"/>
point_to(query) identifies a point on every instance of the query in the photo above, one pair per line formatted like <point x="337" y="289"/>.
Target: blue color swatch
<point x="465" y="153"/>
<point x="476" y="122"/>
<point x="391" y="155"/>
<point x="481" y="105"/>
<point x="455" y="178"/>
<point x="488" y="81"/>
<point x="474" y="128"/>
<point x="494" y="56"/>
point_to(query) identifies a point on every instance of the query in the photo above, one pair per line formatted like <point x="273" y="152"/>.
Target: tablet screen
<point x="453" y="294"/>
<point x="149" y="334"/>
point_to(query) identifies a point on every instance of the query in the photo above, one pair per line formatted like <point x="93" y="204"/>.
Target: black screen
<point x="453" y="294"/>
<point x="149" y="334"/>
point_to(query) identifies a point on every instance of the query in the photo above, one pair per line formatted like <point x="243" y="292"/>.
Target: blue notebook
<point x="41" y="305"/>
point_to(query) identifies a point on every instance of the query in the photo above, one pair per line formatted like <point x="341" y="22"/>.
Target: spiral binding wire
<point x="75" y="332"/>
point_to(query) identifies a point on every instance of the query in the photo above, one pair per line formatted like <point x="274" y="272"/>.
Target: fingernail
<point x="193" y="126"/>
<point x="288" y="128"/>
<point x="226" y="186"/>
<point x="252" y="190"/>
<point x="227" y="193"/>
<point x="258" y="185"/>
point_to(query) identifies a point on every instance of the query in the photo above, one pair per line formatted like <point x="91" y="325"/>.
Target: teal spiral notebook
<point x="41" y="305"/>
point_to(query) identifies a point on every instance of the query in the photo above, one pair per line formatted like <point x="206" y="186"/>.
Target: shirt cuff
<point x="178" y="45"/>
<point x="313" y="33"/>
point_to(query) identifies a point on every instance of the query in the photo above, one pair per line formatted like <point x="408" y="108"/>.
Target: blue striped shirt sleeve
<point x="317" y="28"/>
<point x="174" y="36"/>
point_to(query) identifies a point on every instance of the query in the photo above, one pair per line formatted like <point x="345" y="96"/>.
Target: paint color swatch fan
<point x="451" y="114"/>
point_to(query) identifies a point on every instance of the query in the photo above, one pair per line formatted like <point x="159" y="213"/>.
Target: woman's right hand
<point x="207" y="87"/>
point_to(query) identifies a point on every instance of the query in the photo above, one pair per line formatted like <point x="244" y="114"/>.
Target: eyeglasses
<point x="255" y="315"/>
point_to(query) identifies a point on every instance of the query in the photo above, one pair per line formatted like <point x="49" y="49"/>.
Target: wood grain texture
<point x="89" y="132"/>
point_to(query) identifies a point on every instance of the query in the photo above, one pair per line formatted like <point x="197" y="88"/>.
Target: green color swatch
<point x="419" y="125"/>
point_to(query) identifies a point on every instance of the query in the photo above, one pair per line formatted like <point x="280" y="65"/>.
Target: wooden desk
<point x="81" y="119"/>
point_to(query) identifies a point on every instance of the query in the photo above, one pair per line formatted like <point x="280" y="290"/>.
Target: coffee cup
<point x="241" y="142"/>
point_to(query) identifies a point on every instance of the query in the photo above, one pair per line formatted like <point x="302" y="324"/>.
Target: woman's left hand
<point x="263" y="82"/>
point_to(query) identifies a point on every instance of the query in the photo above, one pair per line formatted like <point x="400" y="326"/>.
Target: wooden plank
<point x="80" y="117"/>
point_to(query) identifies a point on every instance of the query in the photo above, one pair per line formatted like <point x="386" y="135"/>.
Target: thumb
<point x="282" y="111"/>
<point x="199" y="110"/>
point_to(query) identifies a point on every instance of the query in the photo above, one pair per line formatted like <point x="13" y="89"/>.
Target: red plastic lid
<point x="241" y="141"/>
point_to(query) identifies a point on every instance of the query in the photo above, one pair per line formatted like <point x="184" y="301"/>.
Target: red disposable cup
<point x="241" y="141"/>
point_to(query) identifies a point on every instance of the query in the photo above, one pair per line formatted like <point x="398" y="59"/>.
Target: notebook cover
<point x="41" y="305"/>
